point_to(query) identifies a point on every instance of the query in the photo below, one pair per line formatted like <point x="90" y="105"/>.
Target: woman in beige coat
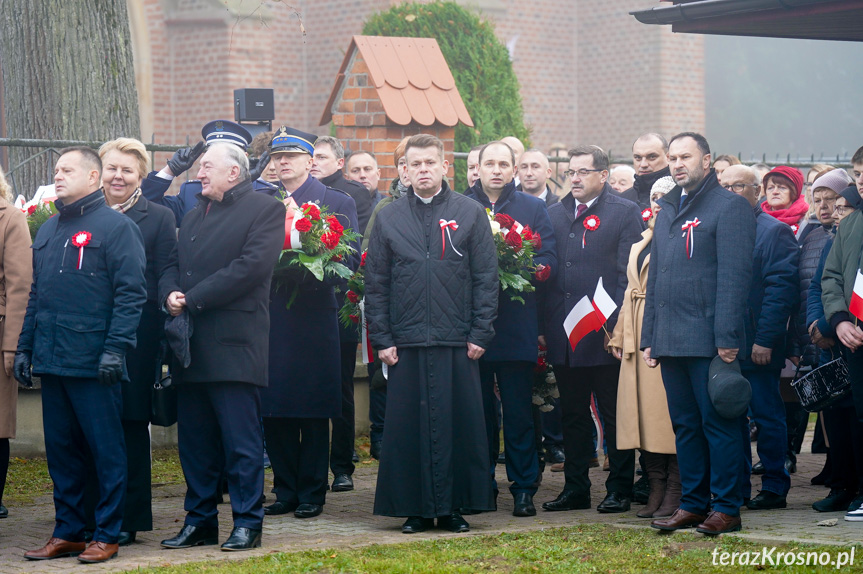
<point x="643" y="421"/>
<point x="16" y="274"/>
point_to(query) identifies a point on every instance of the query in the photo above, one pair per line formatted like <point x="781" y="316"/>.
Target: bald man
<point x="650" y="161"/>
<point x="518" y="149"/>
<point x="534" y="170"/>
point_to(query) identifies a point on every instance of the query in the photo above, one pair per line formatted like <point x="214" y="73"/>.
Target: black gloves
<point x="110" y="368"/>
<point x="185" y="158"/>
<point x="263" y="162"/>
<point x="21" y="369"/>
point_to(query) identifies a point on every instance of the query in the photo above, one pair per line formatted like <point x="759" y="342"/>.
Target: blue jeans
<point x="708" y="445"/>
<point x="768" y="410"/>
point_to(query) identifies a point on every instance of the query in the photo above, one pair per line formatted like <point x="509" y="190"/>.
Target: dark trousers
<point x="298" y="453"/>
<point x="845" y="433"/>
<point x="81" y="416"/>
<point x="708" y="445"/>
<point x="575" y="385"/>
<point x="138" y="510"/>
<point x="515" y="383"/>
<point x="229" y="411"/>
<point x="342" y="445"/>
<point x="855" y="375"/>
<point x="552" y="426"/>
<point x="768" y="410"/>
<point x="377" y="405"/>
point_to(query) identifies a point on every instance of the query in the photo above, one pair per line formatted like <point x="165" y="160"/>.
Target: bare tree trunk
<point x="67" y="74"/>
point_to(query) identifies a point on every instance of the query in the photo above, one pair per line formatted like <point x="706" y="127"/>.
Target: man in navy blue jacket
<point x="772" y="299"/>
<point x="594" y="229"/>
<point x="512" y="354"/>
<point x="700" y="273"/>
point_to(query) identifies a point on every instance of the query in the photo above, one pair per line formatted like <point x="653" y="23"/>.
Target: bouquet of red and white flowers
<point x="544" y="383"/>
<point x="315" y="243"/>
<point x="351" y="311"/>
<point x="37" y="214"/>
<point x="516" y="245"/>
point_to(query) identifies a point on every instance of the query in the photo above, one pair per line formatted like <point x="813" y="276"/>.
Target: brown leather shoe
<point x="98" y="551"/>
<point x="680" y="519"/>
<point x="56" y="548"/>
<point x="719" y="523"/>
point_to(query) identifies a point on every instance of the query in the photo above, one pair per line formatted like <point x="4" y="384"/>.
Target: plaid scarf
<point x="127" y="205"/>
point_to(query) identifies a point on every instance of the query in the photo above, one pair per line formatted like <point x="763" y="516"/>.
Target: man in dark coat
<point x="650" y="160"/>
<point x="534" y="171"/>
<point x="85" y="304"/>
<point x="431" y="299"/>
<point x="594" y="230"/>
<point x="772" y="300"/>
<point x="700" y="273"/>
<point x="156" y="184"/>
<point x="328" y="162"/>
<point x="305" y="367"/>
<point x="227" y="248"/>
<point x="512" y="355"/>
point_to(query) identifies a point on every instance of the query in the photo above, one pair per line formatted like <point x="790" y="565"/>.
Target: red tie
<point x="582" y="207"/>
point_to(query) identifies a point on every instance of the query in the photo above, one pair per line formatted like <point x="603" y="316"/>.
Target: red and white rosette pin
<point x="591" y="223"/>
<point x="687" y="229"/>
<point x="795" y="228"/>
<point x="80" y="240"/>
<point x="646" y="214"/>
<point x="446" y="226"/>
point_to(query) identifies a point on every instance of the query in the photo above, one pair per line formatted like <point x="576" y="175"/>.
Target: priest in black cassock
<point x="431" y="299"/>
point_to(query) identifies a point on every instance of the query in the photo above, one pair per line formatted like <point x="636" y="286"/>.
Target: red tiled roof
<point x="412" y="78"/>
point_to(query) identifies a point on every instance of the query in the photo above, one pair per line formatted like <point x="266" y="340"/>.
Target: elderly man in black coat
<point x="594" y="230"/>
<point x="85" y="304"/>
<point x="228" y="246"/>
<point x="697" y="287"/>
<point x="431" y="299"/>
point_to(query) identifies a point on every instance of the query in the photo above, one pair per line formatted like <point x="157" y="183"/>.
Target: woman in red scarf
<point x="783" y="188"/>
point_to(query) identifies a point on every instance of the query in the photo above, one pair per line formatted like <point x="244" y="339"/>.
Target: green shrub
<point x="480" y="65"/>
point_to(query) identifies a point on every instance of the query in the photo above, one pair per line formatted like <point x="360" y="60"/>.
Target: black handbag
<point x="824" y="386"/>
<point x="163" y="409"/>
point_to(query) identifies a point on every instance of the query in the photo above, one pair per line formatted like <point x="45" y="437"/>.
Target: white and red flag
<point x="588" y="316"/>
<point x="856" y="306"/>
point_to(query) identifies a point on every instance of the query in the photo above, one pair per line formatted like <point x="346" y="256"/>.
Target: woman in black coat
<point x="124" y="165"/>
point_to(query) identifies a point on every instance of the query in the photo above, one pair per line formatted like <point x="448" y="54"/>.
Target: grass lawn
<point x="589" y="548"/>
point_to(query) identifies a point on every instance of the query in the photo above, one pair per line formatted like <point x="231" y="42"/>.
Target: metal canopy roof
<point x="805" y="19"/>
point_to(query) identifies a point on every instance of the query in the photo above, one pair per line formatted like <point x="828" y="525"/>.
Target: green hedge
<point x="480" y="65"/>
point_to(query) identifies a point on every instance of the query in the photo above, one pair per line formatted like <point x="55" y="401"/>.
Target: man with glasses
<point x="594" y="229"/>
<point x="773" y="296"/>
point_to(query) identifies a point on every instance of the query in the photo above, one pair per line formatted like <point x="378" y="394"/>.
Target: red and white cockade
<point x="80" y="240"/>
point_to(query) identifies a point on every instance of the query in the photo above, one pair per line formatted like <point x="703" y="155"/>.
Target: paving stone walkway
<point x="348" y="522"/>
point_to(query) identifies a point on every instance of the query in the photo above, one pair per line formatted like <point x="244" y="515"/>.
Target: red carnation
<point x="330" y="239"/>
<point x="363" y="259"/>
<point x="303" y="224"/>
<point x="354" y="318"/>
<point x="352" y="297"/>
<point x="334" y="224"/>
<point x="541" y="365"/>
<point x="543" y="272"/>
<point x="537" y="241"/>
<point x="513" y="239"/>
<point x="31" y="210"/>
<point x="312" y="211"/>
<point x="504" y="220"/>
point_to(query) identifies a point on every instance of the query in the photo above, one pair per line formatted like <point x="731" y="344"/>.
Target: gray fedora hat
<point x="729" y="390"/>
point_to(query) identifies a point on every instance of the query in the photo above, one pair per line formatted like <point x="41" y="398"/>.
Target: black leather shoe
<point x="308" y="510"/>
<point x="375" y="450"/>
<point x="524" y="505"/>
<point x="568" y="500"/>
<point x="554" y="454"/>
<point x="4" y="512"/>
<point x="641" y="490"/>
<point x="126" y="538"/>
<point x="355" y="458"/>
<point x="342" y="483"/>
<point x="279" y="507"/>
<point x="242" y="538"/>
<point x="837" y="500"/>
<point x="454" y="523"/>
<point x="193" y="536"/>
<point x="790" y="465"/>
<point x="501" y="458"/>
<point x="758" y="468"/>
<point x="614" y="502"/>
<point x="767" y="500"/>
<point x="415" y="524"/>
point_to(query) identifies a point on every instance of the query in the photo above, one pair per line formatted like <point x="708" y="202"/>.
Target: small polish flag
<point x="581" y="321"/>
<point x="603" y="303"/>
<point x="856" y="306"/>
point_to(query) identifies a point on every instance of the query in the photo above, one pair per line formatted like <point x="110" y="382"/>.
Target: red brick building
<point x="589" y="72"/>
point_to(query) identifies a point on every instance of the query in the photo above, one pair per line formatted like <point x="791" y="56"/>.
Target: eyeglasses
<point x="841" y="209"/>
<point x="738" y="187"/>
<point x="581" y="172"/>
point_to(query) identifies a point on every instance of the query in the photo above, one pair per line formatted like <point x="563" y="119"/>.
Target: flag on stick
<point x="581" y="321"/>
<point x="856" y="306"/>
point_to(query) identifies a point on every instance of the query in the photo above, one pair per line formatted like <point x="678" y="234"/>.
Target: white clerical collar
<point x="428" y="200"/>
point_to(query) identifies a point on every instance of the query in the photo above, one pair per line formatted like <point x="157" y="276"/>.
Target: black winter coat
<point x="426" y="287"/>
<point x="360" y="195"/>
<point x="517" y="325"/>
<point x="810" y="255"/>
<point x="641" y="186"/>
<point x="226" y="253"/>
<point x="605" y="254"/>
<point x="73" y="314"/>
